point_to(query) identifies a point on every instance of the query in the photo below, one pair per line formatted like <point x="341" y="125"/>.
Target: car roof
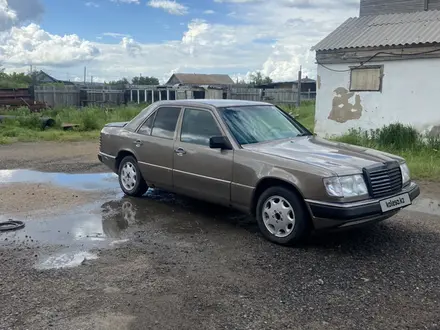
<point x="218" y="103"/>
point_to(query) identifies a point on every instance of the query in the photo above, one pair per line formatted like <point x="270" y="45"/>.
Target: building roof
<point x="385" y="30"/>
<point x="202" y="79"/>
<point x="41" y="75"/>
<point x="305" y="80"/>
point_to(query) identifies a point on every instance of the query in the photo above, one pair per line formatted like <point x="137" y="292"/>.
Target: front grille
<point x="100" y="142"/>
<point x="383" y="180"/>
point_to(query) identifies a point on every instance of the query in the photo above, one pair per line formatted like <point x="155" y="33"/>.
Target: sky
<point x="127" y="38"/>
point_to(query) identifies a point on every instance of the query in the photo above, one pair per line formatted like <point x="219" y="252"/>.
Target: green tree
<point x="258" y="79"/>
<point x="14" y="80"/>
<point x="120" y="82"/>
<point x="145" y="81"/>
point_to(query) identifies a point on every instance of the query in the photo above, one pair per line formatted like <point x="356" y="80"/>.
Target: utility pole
<point x="298" y="99"/>
<point x="85" y="74"/>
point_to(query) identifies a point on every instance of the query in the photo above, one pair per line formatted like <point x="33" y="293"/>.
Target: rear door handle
<point x="180" y="151"/>
<point x="138" y="143"/>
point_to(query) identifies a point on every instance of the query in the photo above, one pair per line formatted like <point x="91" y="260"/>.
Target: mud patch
<point x="342" y="108"/>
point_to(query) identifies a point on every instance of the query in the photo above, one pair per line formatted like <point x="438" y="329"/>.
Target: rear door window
<point x="165" y="123"/>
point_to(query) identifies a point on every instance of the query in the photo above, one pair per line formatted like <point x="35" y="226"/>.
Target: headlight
<point x="346" y="186"/>
<point x="406" y="176"/>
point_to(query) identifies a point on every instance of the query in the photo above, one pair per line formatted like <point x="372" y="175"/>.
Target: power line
<point x="377" y="54"/>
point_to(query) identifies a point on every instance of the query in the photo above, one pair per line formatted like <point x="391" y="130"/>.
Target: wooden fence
<point x="56" y="96"/>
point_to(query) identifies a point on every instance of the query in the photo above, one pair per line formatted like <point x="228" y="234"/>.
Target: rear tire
<point x="282" y="217"/>
<point x="131" y="180"/>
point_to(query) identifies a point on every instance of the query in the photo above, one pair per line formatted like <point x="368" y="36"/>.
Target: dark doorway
<point x="199" y="94"/>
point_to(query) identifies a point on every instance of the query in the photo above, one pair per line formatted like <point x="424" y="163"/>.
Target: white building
<point x="380" y="69"/>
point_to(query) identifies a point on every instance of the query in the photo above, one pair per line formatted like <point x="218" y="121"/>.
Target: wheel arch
<point x="121" y="155"/>
<point x="268" y="182"/>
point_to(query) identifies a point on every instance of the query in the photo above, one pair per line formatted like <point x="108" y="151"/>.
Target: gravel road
<point x="168" y="262"/>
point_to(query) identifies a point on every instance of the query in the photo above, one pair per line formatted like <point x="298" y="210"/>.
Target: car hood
<point x="340" y="158"/>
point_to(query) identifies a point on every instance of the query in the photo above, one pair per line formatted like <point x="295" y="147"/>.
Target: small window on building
<point x="366" y="79"/>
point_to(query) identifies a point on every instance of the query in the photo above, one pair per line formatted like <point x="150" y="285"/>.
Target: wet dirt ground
<point x="105" y="261"/>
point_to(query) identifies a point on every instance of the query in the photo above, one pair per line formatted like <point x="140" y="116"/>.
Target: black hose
<point x="11" y="225"/>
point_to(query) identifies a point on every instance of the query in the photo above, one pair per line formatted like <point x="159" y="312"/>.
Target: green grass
<point x="27" y="127"/>
<point x="304" y="114"/>
<point x="422" y="155"/>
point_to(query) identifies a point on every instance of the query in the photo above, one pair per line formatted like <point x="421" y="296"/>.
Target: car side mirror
<point x="219" y="142"/>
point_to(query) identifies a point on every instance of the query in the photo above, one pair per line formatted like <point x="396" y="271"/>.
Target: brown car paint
<point x="231" y="177"/>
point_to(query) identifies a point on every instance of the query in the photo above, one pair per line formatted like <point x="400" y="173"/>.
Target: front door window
<point x="198" y="127"/>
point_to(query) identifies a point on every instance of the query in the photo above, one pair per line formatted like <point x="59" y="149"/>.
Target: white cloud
<point x="131" y="46"/>
<point x="15" y="12"/>
<point x="32" y="45"/>
<point x="273" y="37"/>
<point x="92" y="4"/>
<point x="115" y="35"/>
<point x="8" y="17"/>
<point x="209" y="12"/>
<point x="172" y="7"/>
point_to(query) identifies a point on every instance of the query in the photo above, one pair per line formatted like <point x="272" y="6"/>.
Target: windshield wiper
<point x="305" y="134"/>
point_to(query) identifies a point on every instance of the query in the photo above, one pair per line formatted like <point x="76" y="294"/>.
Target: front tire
<point x="282" y="217"/>
<point x="130" y="178"/>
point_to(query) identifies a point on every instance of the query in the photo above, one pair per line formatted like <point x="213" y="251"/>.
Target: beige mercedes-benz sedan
<point x="254" y="157"/>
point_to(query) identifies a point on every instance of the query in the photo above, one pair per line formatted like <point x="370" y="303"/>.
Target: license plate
<point x="395" y="202"/>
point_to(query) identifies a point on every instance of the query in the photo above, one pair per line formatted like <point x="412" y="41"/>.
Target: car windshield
<point x="260" y="123"/>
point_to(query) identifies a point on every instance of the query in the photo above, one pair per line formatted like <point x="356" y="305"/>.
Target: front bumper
<point x="331" y="215"/>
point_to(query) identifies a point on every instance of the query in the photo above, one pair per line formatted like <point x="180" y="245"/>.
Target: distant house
<point x="307" y="85"/>
<point x="380" y="68"/>
<point x="196" y="79"/>
<point x="44" y="78"/>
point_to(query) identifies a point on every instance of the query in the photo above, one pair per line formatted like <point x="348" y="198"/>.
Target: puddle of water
<point x="92" y="181"/>
<point x="85" y="226"/>
<point x="65" y="260"/>
<point x="112" y="223"/>
<point x="426" y="205"/>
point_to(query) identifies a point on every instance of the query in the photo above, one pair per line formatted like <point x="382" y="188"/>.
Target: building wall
<point x="409" y="95"/>
<point x="214" y="94"/>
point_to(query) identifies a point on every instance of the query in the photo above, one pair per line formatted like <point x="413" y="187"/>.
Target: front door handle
<point x="180" y="151"/>
<point x="138" y="143"/>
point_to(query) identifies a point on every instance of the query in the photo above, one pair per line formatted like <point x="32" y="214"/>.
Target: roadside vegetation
<point x="422" y="154"/>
